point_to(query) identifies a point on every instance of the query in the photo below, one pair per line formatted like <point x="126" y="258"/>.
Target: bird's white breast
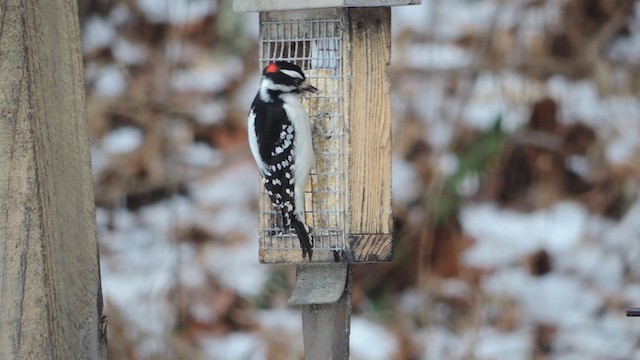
<point x="303" y="145"/>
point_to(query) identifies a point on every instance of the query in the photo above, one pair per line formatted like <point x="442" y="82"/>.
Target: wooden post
<point x="369" y="122"/>
<point x="50" y="297"/>
<point x="326" y="326"/>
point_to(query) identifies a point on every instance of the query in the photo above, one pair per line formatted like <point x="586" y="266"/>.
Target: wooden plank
<point x="50" y="297"/>
<point x="279" y="5"/>
<point x="326" y="327"/>
<point x="371" y="248"/>
<point x="294" y="256"/>
<point x="369" y="117"/>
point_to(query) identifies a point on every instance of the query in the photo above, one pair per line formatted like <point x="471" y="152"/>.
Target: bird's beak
<point x="307" y="87"/>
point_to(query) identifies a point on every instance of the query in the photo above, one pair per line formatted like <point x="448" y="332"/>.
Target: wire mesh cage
<point x="316" y="45"/>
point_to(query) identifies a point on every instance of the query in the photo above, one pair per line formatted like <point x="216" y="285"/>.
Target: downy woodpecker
<point x="281" y="143"/>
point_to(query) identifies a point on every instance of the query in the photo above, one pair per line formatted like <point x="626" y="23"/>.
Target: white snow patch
<point x="99" y="160"/>
<point x="579" y="100"/>
<point x="120" y="14"/>
<point x="440" y="133"/>
<point x="128" y="52"/>
<point x="211" y="78"/>
<point x="447" y="163"/>
<point x="191" y="272"/>
<point x="102" y="219"/>
<point x="181" y="52"/>
<point x="623" y="133"/>
<point x="226" y="201"/>
<point x="404" y="180"/>
<point x="553" y="298"/>
<point x="409" y="17"/>
<point x="631" y="294"/>
<point x="202" y="155"/>
<point x="235" y="185"/>
<point x="98" y="33"/>
<point x="469" y="185"/>
<point x="202" y="312"/>
<point x="578" y="164"/>
<point x="612" y="117"/>
<point x="245" y="94"/>
<point x="122" y="140"/>
<point x="411" y="302"/>
<point x="228" y="221"/>
<point x="427" y="101"/>
<point x="235" y="346"/>
<point x="123" y="220"/>
<point x="251" y="21"/>
<point x="503" y="236"/>
<point x="494" y="344"/>
<point x="237" y="267"/>
<point x="628" y="48"/>
<point x="167" y="214"/>
<point x="440" y="343"/>
<point x="624" y="237"/>
<point x="594" y="263"/>
<point x="437" y="56"/>
<point x="137" y="278"/>
<point x="453" y="18"/>
<point x="110" y="82"/>
<point x="503" y="95"/>
<point x="285" y="321"/>
<point x="610" y="337"/>
<point x="455" y="288"/>
<point x="371" y="341"/>
<point x="209" y="113"/>
<point x="176" y="12"/>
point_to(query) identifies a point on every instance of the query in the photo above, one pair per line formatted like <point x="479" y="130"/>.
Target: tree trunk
<point x="50" y="297"/>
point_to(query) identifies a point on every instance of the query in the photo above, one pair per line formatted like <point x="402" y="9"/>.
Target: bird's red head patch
<point x="272" y="68"/>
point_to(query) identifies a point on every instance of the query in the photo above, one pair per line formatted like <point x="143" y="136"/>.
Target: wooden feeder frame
<point x="348" y="201"/>
<point x="344" y="48"/>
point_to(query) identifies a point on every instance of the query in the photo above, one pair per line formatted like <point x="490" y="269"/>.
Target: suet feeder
<point x="343" y="46"/>
<point x="344" y="49"/>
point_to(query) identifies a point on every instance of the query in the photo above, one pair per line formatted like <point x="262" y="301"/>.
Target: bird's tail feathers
<point x="303" y="236"/>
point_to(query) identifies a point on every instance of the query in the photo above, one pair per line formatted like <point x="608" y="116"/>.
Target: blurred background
<point x="515" y="180"/>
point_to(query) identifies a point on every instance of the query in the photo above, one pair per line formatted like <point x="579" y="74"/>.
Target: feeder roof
<point x="278" y="5"/>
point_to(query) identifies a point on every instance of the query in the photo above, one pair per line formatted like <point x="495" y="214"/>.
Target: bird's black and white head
<point x="283" y="77"/>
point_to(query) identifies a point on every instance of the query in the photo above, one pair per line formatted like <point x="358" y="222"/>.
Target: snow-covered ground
<point x="153" y="253"/>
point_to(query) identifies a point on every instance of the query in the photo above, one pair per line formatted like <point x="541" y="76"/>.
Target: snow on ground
<point x="176" y="12"/>
<point x="504" y="236"/>
<point x="129" y="53"/>
<point x="404" y="186"/>
<point x="495" y="344"/>
<point x="595" y="262"/>
<point x="209" y="78"/>
<point x="110" y="82"/>
<point x="121" y="141"/>
<point x="138" y="275"/>
<point x="627" y="49"/>
<point x="237" y="267"/>
<point x="589" y="255"/>
<point x="235" y="346"/>
<point x="371" y="341"/>
<point x="98" y="33"/>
